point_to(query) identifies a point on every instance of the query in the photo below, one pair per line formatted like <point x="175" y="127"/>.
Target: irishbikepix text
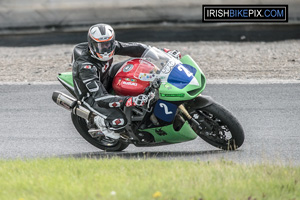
<point x="245" y="13"/>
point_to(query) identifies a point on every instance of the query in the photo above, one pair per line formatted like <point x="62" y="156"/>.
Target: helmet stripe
<point x="102" y="30"/>
<point x="111" y="53"/>
<point x="101" y="40"/>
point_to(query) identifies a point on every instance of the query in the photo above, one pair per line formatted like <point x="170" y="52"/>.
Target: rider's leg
<point x="111" y="121"/>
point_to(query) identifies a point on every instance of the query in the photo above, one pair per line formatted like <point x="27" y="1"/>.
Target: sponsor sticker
<point x="171" y="95"/>
<point x="129" y="83"/>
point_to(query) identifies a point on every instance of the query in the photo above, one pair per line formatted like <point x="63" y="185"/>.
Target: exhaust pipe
<point x="64" y="100"/>
<point x="70" y="103"/>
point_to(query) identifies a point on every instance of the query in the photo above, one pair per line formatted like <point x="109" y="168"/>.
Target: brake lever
<point x="151" y="96"/>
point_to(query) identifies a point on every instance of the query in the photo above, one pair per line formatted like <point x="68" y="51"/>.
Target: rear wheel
<point x="218" y="126"/>
<point x="103" y="143"/>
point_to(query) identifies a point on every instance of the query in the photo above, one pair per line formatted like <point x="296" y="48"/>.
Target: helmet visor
<point x="103" y="47"/>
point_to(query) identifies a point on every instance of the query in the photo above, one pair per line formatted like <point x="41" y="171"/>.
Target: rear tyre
<point x="104" y="143"/>
<point x="219" y="127"/>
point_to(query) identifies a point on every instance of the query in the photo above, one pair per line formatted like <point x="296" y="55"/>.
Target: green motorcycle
<point x="176" y="111"/>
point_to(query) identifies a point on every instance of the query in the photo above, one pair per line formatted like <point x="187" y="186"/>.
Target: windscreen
<point x="155" y="63"/>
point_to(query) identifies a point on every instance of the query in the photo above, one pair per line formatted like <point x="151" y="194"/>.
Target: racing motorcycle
<point x="176" y="111"/>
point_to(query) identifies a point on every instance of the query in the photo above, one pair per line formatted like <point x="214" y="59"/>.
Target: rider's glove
<point x="139" y="100"/>
<point x="175" y="53"/>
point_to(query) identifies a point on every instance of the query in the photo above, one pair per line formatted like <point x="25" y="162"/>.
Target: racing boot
<point x="99" y="121"/>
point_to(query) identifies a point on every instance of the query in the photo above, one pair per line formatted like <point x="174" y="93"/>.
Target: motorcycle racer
<point x="93" y="73"/>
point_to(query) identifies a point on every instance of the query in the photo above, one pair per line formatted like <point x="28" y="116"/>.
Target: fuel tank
<point x="125" y="83"/>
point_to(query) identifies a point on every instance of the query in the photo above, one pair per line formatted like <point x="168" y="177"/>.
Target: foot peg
<point x="95" y="133"/>
<point x="100" y="123"/>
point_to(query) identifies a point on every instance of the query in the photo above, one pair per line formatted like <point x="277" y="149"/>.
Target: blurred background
<point x="36" y="22"/>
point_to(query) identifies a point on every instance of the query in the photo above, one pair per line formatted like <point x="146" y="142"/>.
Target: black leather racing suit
<point x="93" y="78"/>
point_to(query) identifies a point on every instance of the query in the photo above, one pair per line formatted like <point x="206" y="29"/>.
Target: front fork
<point x="193" y="123"/>
<point x="199" y="102"/>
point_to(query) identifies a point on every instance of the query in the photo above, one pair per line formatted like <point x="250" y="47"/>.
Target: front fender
<point x="199" y="102"/>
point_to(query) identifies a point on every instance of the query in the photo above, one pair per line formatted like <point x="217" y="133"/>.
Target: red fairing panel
<point x="125" y="83"/>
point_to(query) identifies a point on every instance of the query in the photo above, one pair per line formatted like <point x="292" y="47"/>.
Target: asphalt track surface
<point x="33" y="126"/>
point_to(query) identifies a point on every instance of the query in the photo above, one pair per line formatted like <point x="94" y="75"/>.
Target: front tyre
<point x="218" y="126"/>
<point x="104" y="143"/>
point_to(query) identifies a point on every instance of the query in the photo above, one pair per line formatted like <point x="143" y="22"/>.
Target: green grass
<point x="145" y="179"/>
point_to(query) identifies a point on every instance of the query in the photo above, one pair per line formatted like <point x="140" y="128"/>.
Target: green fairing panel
<point x="168" y="92"/>
<point x="168" y="134"/>
<point x="67" y="78"/>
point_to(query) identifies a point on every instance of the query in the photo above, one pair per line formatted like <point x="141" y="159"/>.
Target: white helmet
<point x="101" y="40"/>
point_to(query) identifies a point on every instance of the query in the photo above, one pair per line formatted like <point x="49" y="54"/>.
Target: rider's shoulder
<point x="80" y="50"/>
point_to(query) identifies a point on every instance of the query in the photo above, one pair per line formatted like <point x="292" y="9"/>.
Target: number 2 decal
<point x="162" y="105"/>
<point x="165" y="110"/>
<point x="187" y="72"/>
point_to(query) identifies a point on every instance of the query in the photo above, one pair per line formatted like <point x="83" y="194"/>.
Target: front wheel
<point x="103" y="143"/>
<point x="218" y="126"/>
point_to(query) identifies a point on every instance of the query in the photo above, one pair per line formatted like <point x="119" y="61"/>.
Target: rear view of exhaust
<point x="70" y="103"/>
<point x="64" y="100"/>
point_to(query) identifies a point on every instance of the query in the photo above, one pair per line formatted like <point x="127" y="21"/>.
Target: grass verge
<point x="145" y="179"/>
